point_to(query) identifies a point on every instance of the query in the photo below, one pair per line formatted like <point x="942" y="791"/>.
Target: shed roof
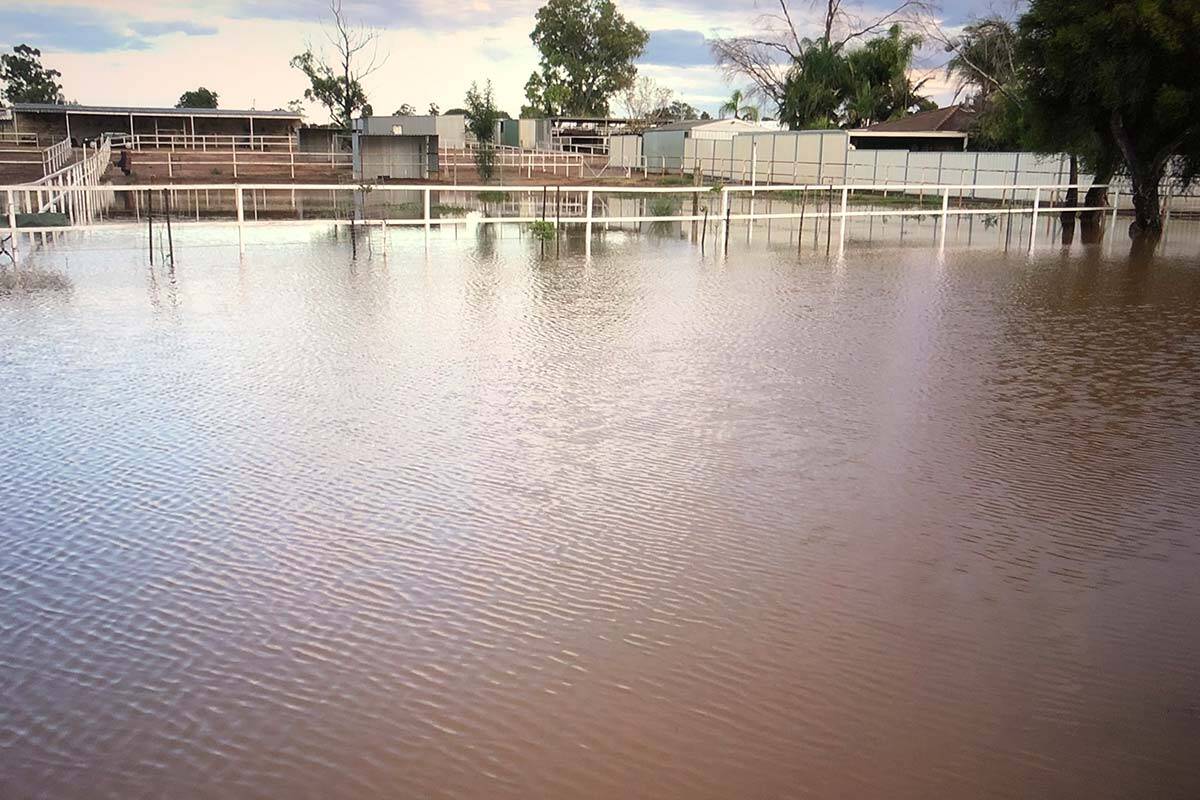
<point x="691" y="124"/>
<point x="951" y="119"/>
<point x="60" y="108"/>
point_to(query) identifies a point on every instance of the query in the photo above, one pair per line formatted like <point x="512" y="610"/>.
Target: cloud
<point x="164" y="28"/>
<point x="64" y="28"/>
<point x="394" y="14"/>
<point x="677" y="48"/>
<point x="79" y="29"/>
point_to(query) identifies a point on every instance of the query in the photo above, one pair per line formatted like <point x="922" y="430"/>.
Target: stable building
<point x="403" y="147"/>
<point x="56" y="121"/>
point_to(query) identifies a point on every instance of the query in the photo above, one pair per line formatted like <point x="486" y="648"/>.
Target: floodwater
<point x="471" y="521"/>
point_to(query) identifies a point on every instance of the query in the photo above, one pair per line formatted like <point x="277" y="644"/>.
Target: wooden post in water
<point x="704" y="229"/>
<point x="557" y="217"/>
<point x="728" y="211"/>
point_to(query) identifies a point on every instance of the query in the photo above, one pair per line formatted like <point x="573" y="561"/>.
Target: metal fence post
<point x="1116" y="202"/>
<point x="234" y="151"/>
<point x="427" y="217"/>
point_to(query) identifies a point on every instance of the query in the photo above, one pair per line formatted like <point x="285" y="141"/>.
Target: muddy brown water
<point x="470" y="522"/>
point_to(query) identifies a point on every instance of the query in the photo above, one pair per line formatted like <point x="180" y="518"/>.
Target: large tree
<point x="588" y="49"/>
<point x="337" y="84"/>
<point x="26" y="80"/>
<point x="984" y="67"/>
<point x="198" y="98"/>
<point x="1117" y="77"/>
<point x="766" y="58"/>
<point x="830" y="87"/>
<point x="643" y="98"/>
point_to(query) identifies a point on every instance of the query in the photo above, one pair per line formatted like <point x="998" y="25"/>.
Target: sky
<point x="131" y="52"/>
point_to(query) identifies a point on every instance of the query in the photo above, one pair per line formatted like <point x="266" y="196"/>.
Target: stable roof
<point x="124" y="111"/>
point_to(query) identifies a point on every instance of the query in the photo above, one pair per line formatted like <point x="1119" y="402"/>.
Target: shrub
<point x="542" y="229"/>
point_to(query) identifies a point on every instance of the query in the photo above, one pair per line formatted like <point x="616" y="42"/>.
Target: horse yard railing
<point x="91" y="205"/>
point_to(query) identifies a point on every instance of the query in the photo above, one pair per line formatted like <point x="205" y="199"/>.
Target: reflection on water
<point x="467" y="521"/>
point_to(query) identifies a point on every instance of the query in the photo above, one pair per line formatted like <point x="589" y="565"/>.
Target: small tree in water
<point x="482" y="115"/>
<point x="1118" y="79"/>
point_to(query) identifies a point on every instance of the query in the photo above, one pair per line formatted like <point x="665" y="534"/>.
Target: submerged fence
<point x="95" y="206"/>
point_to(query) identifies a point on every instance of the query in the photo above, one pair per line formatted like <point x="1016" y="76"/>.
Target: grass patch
<point x="663" y="207"/>
<point x="675" y="180"/>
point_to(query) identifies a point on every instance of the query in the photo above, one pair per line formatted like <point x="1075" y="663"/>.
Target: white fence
<point x="86" y="204"/>
<point x="235" y="160"/>
<point x="825" y="157"/>
<point x="51" y="158"/>
<point x="203" y="142"/>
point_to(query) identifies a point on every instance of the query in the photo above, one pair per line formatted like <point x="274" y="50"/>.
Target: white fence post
<point x="1037" y="199"/>
<point x="241" y="218"/>
<point x="1116" y="202"/>
<point x="12" y="224"/>
<point x="842" y="227"/>
<point x="945" y="216"/>
<point x="427" y="215"/>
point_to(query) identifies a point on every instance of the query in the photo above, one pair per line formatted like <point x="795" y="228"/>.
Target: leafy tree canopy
<point x="26" y="80"/>
<point x="588" y="49"/>
<point x="482" y="116"/>
<point x="986" y="69"/>
<point x="829" y="87"/>
<point x="738" y="107"/>
<point x="341" y="97"/>
<point x="1117" y="80"/>
<point x="198" y="98"/>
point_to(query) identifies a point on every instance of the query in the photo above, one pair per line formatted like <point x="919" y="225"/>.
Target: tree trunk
<point x="1067" y="218"/>
<point x="1145" y="175"/>
<point x="1147" y="211"/>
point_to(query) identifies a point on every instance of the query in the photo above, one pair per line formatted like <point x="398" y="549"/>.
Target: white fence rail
<point x="50" y="159"/>
<point x="90" y="204"/>
<point x="236" y="160"/>
<point x="203" y="142"/>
